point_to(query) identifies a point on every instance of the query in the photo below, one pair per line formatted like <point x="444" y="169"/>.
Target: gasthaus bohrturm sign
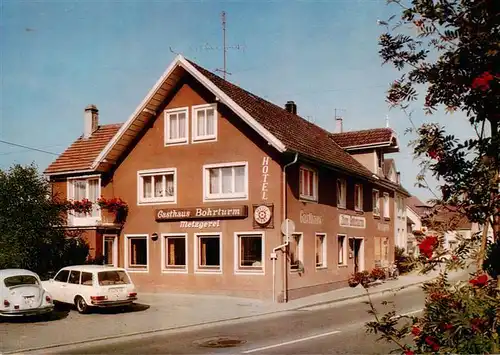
<point x="216" y="212"/>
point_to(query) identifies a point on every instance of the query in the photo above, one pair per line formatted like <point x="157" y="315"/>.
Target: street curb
<point x="220" y="321"/>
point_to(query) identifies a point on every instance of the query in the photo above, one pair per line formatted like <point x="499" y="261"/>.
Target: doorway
<point x="357" y="249"/>
<point x="110" y="249"/>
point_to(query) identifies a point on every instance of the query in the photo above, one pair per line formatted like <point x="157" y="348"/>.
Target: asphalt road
<point x="332" y="329"/>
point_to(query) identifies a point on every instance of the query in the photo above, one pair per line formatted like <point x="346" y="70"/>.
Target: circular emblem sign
<point x="262" y="214"/>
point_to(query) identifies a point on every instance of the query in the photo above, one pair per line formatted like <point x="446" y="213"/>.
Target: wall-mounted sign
<point x="383" y="227"/>
<point x="265" y="175"/>
<point x="309" y="218"/>
<point x="346" y="220"/>
<point x="200" y="224"/>
<point x="263" y="216"/>
<point x="219" y="212"/>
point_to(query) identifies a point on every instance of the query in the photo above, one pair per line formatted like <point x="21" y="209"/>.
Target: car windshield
<point x="114" y="277"/>
<point x="19" y="280"/>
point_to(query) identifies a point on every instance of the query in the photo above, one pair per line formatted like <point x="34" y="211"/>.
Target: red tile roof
<point x="81" y="154"/>
<point x="296" y="133"/>
<point x="450" y="217"/>
<point x="363" y="137"/>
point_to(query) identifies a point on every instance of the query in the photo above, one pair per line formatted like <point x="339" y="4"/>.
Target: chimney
<point x="398" y="178"/>
<point x="90" y="120"/>
<point x="338" y="125"/>
<point x="291" y="107"/>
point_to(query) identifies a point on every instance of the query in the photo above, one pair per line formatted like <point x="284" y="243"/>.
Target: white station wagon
<point x="88" y="286"/>
<point x="22" y="294"/>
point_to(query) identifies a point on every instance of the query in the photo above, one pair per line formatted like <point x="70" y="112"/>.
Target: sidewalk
<point x="161" y="312"/>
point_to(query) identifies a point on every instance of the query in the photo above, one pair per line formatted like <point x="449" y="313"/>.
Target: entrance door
<point x="110" y="250"/>
<point x="356" y="246"/>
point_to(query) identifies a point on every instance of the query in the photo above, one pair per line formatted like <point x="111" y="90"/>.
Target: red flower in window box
<point x="83" y="206"/>
<point x="114" y="205"/>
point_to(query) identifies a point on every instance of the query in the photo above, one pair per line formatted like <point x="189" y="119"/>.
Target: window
<point x="381" y="251"/>
<point x="136" y="253"/>
<point x="342" y="249"/>
<point x="88" y="188"/>
<point x="62" y="276"/>
<point x="380" y="159"/>
<point x="308" y="184"/>
<point x="176" y="126"/>
<point x="74" y="277"/>
<point x="204" y="122"/>
<point x="157" y="186"/>
<point x="175" y="252"/>
<point x="226" y="181"/>
<point x="376" y="202"/>
<point x="358" y="197"/>
<point x="386" y="205"/>
<point x="208" y="253"/>
<point x="86" y="278"/>
<point x="296" y="252"/>
<point x="112" y="277"/>
<point x="250" y="252"/>
<point x="18" y="280"/>
<point x="320" y="250"/>
<point x="110" y="250"/>
<point x="341" y="193"/>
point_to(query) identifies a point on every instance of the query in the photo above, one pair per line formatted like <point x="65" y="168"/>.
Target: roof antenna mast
<point x="224" y="46"/>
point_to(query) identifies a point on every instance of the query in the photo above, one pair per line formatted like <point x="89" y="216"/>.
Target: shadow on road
<point x="135" y="307"/>
<point x="57" y="314"/>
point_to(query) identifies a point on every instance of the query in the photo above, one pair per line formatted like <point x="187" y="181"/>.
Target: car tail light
<point x="98" y="298"/>
<point x="48" y="299"/>
<point x="6" y="303"/>
<point x="132" y="294"/>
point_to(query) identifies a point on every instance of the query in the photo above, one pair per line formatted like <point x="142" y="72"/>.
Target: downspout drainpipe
<point x="285" y="245"/>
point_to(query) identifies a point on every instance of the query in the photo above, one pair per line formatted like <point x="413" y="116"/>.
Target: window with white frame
<point x="227" y="181"/>
<point x="176" y="126"/>
<point x="386" y="205"/>
<point x="208" y="252"/>
<point x="376" y="202"/>
<point x="157" y="186"/>
<point x="308" y="184"/>
<point x="204" y="122"/>
<point x="137" y="252"/>
<point x="175" y="252"/>
<point x="295" y="246"/>
<point x="358" y="197"/>
<point x="341" y="193"/>
<point x="250" y="249"/>
<point x="342" y="249"/>
<point x="85" y="189"/>
<point x="320" y="250"/>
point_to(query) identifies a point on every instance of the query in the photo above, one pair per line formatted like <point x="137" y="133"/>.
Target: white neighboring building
<point x="400" y="225"/>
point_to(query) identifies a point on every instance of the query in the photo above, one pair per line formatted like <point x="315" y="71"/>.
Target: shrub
<point x="377" y="274"/>
<point x="403" y="262"/>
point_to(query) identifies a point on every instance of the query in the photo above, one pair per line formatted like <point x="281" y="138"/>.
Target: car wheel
<point x="81" y="305"/>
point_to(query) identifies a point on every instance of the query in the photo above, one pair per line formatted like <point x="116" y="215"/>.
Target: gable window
<point x="136" y="252"/>
<point x="227" y="181"/>
<point x="342" y="250"/>
<point x="296" y="252"/>
<point x="175" y="252"/>
<point x="386" y="205"/>
<point x="308" y="184"/>
<point x="341" y="193"/>
<point x="320" y="250"/>
<point x="157" y="186"/>
<point x="204" y="122"/>
<point x="176" y="126"/>
<point x="80" y="189"/>
<point x="376" y="202"/>
<point x="250" y="252"/>
<point x="358" y="197"/>
<point x="208" y="252"/>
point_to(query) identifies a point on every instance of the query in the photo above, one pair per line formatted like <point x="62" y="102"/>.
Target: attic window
<point x="176" y="126"/>
<point x="308" y="184"/>
<point x="204" y="123"/>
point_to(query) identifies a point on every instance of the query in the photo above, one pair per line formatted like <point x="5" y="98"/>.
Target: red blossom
<point x="432" y="343"/>
<point x="482" y="82"/>
<point x="454" y="257"/>
<point x="447" y="326"/>
<point x="428" y="245"/>
<point x="479" y="281"/>
<point x="434" y="155"/>
<point x="408" y="352"/>
<point x="416" y="331"/>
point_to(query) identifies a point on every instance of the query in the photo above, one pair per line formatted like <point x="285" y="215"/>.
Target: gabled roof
<point x="81" y="154"/>
<point x="367" y="138"/>
<point x="419" y="207"/>
<point x="450" y="217"/>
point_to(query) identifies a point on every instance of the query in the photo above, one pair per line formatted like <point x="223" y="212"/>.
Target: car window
<point x="112" y="277"/>
<point x="62" y="276"/>
<point x="74" y="277"/>
<point x="86" y="278"/>
<point x="20" y="280"/>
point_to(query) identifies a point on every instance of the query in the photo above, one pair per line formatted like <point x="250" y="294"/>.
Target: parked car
<point x="22" y="294"/>
<point x="88" y="286"/>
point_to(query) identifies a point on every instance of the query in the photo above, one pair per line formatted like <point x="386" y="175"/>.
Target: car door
<point x="73" y="287"/>
<point x="58" y="286"/>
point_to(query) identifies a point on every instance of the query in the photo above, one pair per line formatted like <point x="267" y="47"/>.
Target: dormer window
<point x="308" y="184"/>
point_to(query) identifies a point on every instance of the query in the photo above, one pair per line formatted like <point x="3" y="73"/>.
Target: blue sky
<point x="59" y="56"/>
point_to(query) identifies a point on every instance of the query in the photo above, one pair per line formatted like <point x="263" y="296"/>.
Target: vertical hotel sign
<point x="265" y="174"/>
